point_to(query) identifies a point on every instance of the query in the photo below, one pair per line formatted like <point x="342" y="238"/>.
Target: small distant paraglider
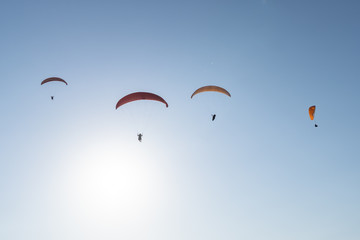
<point x="312" y="113"/>
<point x="53" y="79"/>
<point x="140" y="137"/>
<point x="211" y="88"/>
<point x="140" y="96"/>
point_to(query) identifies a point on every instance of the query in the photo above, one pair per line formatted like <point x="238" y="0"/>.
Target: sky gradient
<point x="72" y="168"/>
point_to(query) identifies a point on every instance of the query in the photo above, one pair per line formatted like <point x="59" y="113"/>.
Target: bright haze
<point x="73" y="168"/>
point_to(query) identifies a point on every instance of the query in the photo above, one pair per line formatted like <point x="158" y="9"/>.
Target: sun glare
<point x="105" y="182"/>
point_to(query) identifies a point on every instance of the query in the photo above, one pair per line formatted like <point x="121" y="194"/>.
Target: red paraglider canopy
<point x="140" y="96"/>
<point x="53" y="79"/>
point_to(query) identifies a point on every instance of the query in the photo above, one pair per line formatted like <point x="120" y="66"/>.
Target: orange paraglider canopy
<point x="312" y="112"/>
<point x="140" y="96"/>
<point x="52" y="79"/>
<point x="211" y="89"/>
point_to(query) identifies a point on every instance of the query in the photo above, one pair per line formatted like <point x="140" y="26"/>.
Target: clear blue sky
<point x="72" y="168"/>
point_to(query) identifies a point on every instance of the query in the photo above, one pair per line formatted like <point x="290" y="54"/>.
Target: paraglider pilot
<point x="52" y="97"/>
<point x="213" y="116"/>
<point x="312" y="113"/>
<point x="139" y="137"/>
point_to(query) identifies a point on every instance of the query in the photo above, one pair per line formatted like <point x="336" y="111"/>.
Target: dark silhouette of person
<point x="139" y="137"/>
<point x="213" y="116"/>
<point x="52" y="97"/>
<point x="316" y="125"/>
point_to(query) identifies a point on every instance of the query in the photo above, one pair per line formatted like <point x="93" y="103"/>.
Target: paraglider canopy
<point x="53" y="79"/>
<point x="140" y="96"/>
<point x="211" y="89"/>
<point x="312" y="112"/>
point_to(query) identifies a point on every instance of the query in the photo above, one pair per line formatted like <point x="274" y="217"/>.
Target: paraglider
<point x="312" y="113"/>
<point x="53" y="79"/>
<point x="140" y="96"/>
<point x="211" y="88"/>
